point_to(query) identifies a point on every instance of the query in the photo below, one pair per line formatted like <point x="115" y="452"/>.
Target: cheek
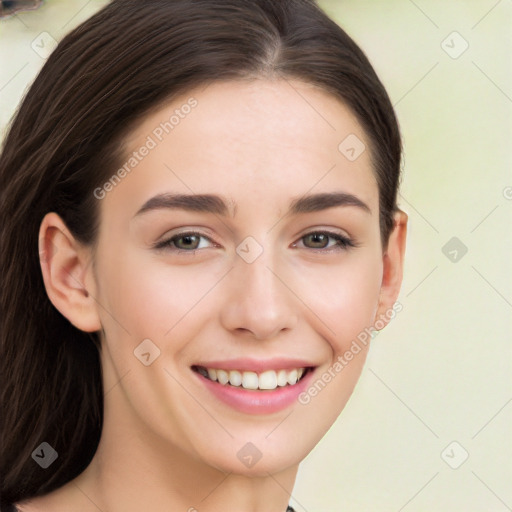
<point x="150" y="299"/>
<point x="344" y="296"/>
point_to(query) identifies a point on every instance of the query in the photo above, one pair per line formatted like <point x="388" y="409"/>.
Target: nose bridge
<point x="259" y="285"/>
<point x="258" y="300"/>
<point x="258" y="278"/>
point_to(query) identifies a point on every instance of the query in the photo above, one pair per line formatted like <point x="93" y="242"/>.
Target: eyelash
<point x="342" y="242"/>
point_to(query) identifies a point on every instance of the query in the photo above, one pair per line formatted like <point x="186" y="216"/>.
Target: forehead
<point x="251" y="141"/>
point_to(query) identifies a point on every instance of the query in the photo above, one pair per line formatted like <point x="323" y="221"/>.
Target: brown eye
<point x="321" y="240"/>
<point x="185" y="242"/>
<point x="318" y="240"/>
<point x="189" y="241"/>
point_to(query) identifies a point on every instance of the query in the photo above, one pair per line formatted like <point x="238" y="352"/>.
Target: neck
<point x="134" y="469"/>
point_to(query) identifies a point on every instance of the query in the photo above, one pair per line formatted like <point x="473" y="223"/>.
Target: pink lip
<point x="257" y="402"/>
<point x="257" y="365"/>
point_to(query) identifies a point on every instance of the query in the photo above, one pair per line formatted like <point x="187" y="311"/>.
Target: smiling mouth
<point x="264" y="381"/>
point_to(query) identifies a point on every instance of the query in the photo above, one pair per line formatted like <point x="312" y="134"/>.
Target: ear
<point x="65" y="265"/>
<point x="393" y="263"/>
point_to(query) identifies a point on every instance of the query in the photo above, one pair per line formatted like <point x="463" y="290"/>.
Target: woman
<point x="200" y="230"/>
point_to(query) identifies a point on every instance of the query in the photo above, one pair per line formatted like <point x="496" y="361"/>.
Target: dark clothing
<point x="12" y="508"/>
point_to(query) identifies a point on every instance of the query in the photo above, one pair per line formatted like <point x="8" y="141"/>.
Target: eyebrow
<point x="211" y="203"/>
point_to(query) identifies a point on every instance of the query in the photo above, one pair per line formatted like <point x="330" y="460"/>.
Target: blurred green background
<point x="428" y="427"/>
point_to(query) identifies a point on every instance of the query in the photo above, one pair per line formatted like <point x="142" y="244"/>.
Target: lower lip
<point x="257" y="402"/>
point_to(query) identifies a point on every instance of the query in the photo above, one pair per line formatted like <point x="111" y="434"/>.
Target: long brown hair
<point x="66" y="139"/>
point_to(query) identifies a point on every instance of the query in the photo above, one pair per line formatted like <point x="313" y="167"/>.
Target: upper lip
<point x="256" y="365"/>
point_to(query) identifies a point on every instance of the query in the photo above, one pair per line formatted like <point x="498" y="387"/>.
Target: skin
<point x="166" y="440"/>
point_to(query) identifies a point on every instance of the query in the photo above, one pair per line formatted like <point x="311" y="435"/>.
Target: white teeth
<point x="292" y="377"/>
<point x="250" y="380"/>
<point x="235" y="378"/>
<point x="222" y="376"/>
<point x="267" y="380"/>
<point x="282" y="378"/>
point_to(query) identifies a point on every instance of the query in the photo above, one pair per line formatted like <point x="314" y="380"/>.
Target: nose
<point x="260" y="302"/>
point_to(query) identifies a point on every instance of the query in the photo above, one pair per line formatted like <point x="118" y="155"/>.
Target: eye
<point x="321" y="240"/>
<point x="188" y="241"/>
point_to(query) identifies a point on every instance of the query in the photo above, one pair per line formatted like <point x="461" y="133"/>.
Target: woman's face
<point x="259" y="291"/>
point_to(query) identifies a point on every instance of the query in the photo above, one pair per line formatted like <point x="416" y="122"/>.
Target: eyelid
<point x="165" y="242"/>
<point x="343" y="241"/>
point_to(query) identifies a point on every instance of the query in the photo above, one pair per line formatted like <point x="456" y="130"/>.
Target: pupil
<point x="319" y="238"/>
<point x="188" y="239"/>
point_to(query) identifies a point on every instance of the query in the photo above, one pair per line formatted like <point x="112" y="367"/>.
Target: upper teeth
<point x="269" y="379"/>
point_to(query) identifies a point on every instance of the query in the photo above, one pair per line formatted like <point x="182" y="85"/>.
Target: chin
<point x="256" y="454"/>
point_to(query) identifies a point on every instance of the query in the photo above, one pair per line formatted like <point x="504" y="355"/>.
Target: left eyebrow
<point x="211" y="203"/>
<point x="322" y="201"/>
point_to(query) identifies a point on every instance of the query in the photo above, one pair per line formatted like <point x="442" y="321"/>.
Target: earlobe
<point x="64" y="265"/>
<point x="393" y="265"/>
